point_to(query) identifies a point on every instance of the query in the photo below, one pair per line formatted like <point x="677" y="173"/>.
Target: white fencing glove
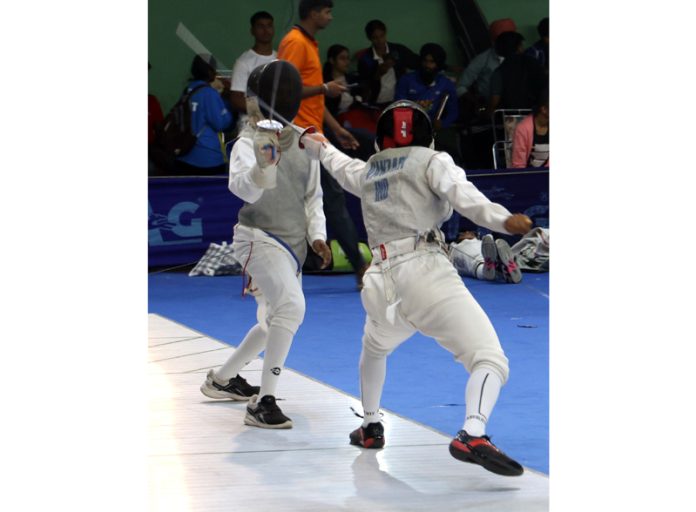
<point x="267" y="153"/>
<point x="313" y="142"/>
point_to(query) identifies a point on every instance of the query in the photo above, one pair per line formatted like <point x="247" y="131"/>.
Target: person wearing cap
<point x="477" y="75"/>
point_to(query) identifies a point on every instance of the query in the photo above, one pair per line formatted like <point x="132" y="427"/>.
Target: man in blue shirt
<point x="429" y="87"/>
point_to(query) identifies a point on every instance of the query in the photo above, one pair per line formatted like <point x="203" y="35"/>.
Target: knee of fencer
<point x="262" y="315"/>
<point x="372" y="348"/>
<point x="494" y="360"/>
<point x="289" y="314"/>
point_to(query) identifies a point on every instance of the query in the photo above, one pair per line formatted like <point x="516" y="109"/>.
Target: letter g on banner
<point x="179" y="224"/>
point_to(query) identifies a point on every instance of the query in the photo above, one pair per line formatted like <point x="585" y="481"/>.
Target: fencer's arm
<point x="247" y="180"/>
<point x="449" y="181"/>
<point x="347" y="171"/>
<point x="314" y="206"/>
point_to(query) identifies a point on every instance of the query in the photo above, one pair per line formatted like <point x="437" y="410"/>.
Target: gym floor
<point x="424" y="387"/>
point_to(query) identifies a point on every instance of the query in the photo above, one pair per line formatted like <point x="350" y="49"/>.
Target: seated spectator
<point x="381" y="65"/>
<point x="261" y="53"/>
<point x="539" y="51"/>
<point x="530" y="144"/>
<point x="346" y="108"/>
<point x="209" y="118"/>
<point x="428" y="87"/>
<point x="519" y="81"/>
<point x="336" y="68"/>
<point x="474" y="82"/>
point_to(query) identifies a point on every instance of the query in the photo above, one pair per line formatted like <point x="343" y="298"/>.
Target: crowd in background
<point x="508" y="78"/>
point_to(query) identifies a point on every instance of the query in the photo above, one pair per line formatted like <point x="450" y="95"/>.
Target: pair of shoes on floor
<point x="498" y="261"/>
<point x="472" y="449"/>
<point x="263" y="413"/>
<point x="236" y="388"/>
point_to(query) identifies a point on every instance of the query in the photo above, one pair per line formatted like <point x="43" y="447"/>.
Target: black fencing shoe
<point x="265" y="413"/>
<point x="237" y="388"/>
<point x="371" y="436"/>
<point x="480" y="450"/>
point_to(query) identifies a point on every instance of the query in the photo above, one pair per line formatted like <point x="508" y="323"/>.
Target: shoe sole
<point x="494" y="466"/>
<point x="211" y="392"/>
<point x="511" y="271"/>
<point x="253" y="422"/>
<point x="490" y="255"/>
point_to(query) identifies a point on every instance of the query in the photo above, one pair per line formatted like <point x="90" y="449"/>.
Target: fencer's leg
<point x="226" y="383"/>
<point x="274" y="273"/>
<point x="468" y="258"/>
<point x="380" y="338"/>
<point x="373" y="371"/>
<point x="481" y="394"/>
<point x="277" y="348"/>
<point x="251" y="346"/>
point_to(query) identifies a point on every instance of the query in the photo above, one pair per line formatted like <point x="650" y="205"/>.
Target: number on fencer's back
<point x="175" y="135"/>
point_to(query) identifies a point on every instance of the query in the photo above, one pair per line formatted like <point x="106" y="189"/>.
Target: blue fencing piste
<point x="186" y="215"/>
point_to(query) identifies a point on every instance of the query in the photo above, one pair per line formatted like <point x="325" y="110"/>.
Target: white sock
<point x="250" y="347"/>
<point x="277" y="348"/>
<point x="373" y="370"/>
<point x="482" y="392"/>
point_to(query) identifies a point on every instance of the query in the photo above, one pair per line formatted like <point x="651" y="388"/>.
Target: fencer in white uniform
<point x="407" y="191"/>
<point x="282" y="213"/>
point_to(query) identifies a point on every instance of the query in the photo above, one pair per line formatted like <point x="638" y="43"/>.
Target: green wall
<point x="223" y="27"/>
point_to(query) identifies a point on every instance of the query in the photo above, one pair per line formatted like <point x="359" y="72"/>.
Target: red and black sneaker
<point x="480" y="450"/>
<point x="371" y="436"/>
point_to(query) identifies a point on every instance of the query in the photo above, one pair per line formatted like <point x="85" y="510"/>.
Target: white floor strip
<point x="202" y="456"/>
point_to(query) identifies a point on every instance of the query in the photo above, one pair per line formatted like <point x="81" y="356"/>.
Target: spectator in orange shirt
<point x="301" y="49"/>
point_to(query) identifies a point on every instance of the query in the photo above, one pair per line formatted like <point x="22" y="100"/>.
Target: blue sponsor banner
<point x="186" y="215"/>
<point x="520" y="191"/>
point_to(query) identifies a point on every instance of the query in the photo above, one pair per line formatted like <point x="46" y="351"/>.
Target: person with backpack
<point x="207" y="117"/>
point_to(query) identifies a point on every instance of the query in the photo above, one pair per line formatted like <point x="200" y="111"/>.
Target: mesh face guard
<point x="277" y="86"/>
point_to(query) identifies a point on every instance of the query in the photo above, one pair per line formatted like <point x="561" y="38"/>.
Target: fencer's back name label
<point x="380" y="167"/>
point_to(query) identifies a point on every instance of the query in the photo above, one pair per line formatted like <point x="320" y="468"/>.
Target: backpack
<point x="175" y="136"/>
